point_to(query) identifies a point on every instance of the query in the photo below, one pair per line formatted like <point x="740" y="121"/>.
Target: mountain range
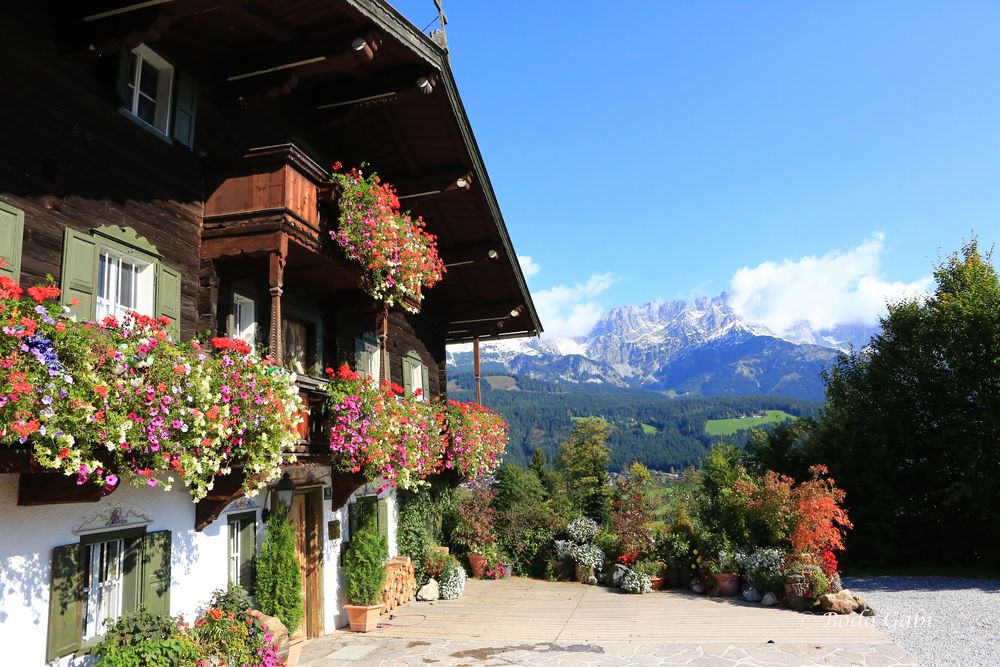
<point x="702" y="348"/>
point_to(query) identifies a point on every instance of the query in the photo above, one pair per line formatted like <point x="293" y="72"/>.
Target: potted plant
<point x="725" y="573"/>
<point x="652" y="569"/>
<point x="475" y="529"/>
<point x="365" y="569"/>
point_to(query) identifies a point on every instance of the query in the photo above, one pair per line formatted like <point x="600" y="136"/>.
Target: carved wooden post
<point x="475" y="367"/>
<point x="383" y="340"/>
<point x="276" y="281"/>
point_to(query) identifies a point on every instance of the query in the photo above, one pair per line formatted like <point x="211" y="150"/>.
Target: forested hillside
<point x="659" y="432"/>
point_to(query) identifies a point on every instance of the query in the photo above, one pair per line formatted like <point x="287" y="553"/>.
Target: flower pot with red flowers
<point x="652" y="569"/>
<point x="477" y="563"/>
<point x="365" y="570"/>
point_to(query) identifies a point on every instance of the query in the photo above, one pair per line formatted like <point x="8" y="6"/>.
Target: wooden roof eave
<point x="409" y="36"/>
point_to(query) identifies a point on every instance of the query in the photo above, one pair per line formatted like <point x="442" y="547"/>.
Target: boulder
<point x="615" y="576"/>
<point x="751" y="594"/>
<point x="590" y="581"/>
<point x="769" y="600"/>
<point x="838" y="603"/>
<point x="868" y="610"/>
<point x="277" y="629"/>
<point x="429" y="591"/>
<point x="835" y="584"/>
<point x="697" y="586"/>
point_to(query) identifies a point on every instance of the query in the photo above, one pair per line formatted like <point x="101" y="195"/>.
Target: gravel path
<point x="940" y="622"/>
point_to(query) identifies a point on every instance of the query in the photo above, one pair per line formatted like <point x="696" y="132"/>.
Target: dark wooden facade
<point x="241" y="204"/>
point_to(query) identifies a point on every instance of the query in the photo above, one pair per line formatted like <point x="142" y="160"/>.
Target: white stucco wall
<point x="199" y="559"/>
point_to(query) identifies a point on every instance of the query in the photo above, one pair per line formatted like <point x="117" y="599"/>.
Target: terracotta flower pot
<point x="656" y="583"/>
<point x="478" y="564"/>
<point x="728" y="583"/>
<point x="363" y="618"/>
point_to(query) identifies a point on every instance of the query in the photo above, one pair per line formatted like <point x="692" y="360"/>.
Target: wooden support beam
<point x="476" y="370"/>
<point x="56" y="489"/>
<point x="385" y="87"/>
<point x="456" y="179"/>
<point x="473" y="313"/>
<point x="276" y="281"/>
<point x="242" y="245"/>
<point x="471" y="255"/>
<point x="332" y="56"/>
<point x="225" y="490"/>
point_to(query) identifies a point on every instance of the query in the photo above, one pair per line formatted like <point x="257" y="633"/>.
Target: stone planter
<point x="477" y="562"/>
<point x="363" y="618"/>
<point x="656" y="583"/>
<point x="561" y="569"/>
<point x="684" y="577"/>
<point x="728" y="583"/>
<point x="583" y="574"/>
<point x="672" y="573"/>
<point x="506" y="569"/>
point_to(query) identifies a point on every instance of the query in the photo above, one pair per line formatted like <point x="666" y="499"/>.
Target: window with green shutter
<point x="105" y="575"/>
<point x="415" y="374"/>
<point x="242" y="549"/>
<point x="367" y="360"/>
<point x="11" y="233"/>
<point x="112" y="270"/>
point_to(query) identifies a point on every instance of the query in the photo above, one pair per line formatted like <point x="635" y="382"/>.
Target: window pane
<point x="295" y="336"/>
<point x="126" y="291"/>
<point x="148" y="81"/>
<point x="146" y="110"/>
<point x="101" y="279"/>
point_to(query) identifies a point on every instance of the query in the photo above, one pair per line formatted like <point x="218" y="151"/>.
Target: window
<point x="124" y="283"/>
<point x="102" y="576"/>
<point x="150" y="80"/>
<point x="103" y="587"/>
<point x="415" y="375"/>
<point x="242" y="549"/>
<point x="112" y="270"/>
<point x="368" y="357"/>
<point x="244" y="319"/>
<point x="295" y="338"/>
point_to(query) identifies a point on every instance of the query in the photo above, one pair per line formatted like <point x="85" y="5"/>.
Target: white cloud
<point x="840" y="287"/>
<point x="568" y="311"/>
<point x="529" y="267"/>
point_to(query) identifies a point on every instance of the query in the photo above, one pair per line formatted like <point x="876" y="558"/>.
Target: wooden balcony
<point x="269" y="189"/>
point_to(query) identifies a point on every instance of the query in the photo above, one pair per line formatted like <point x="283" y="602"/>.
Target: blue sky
<point x="816" y="157"/>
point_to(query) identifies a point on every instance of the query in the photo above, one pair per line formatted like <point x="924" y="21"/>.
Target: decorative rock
<point x="429" y="591"/>
<point x="835" y="584"/>
<point x="838" y="603"/>
<point x="751" y="595"/>
<point x="769" y="600"/>
<point x="868" y="611"/>
<point x="616" y="575"/>
<point x="697" y="586"/>
<point x="591" y="580"/>
<point x="277" y="629"/>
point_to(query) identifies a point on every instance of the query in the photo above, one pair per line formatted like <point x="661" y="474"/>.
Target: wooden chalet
<point x="173" y="157"/>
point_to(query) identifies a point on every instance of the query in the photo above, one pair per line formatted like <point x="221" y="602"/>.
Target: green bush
<point x="364" y="567"/>
<point x="142" y="639"/>
<point x="433" y="562"/>
<point x="421" y="523"/>
<point x="233" y="599"/>
<point x="279" y="578"/>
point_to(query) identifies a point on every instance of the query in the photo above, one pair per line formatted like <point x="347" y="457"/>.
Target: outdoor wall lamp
<point x="425" y="85"/>
<point x="285" y="491"/>
<point x="516" y="311"/>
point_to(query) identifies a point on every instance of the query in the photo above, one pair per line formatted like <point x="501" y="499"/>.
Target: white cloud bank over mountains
<point x="837" y="288"/>
<point x="841" y="287"/>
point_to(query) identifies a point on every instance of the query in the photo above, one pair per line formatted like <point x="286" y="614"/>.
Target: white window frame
<point x="234" y="552"/>
<point x="143" y="287"/>
<point x="244" y="319"/>
<point x="164" y="88"/>
<point x="104" y="598"/>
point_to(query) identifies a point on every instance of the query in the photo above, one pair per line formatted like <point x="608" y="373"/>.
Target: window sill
<point x="88" y="645"/>
<point x="155" y="131"/>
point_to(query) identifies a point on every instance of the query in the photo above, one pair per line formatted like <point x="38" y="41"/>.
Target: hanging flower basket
<point x="396" y="255"/>
<point x="120" y="399"/>
<point x="477" y="438"/>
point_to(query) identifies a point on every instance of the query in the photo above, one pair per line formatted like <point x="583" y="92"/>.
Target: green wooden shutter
<point x="155" y="577"/>
<point x="79" y="274"/>
<point x="425" y="382"/>
<point x="184" y="109"/>
<point x="131" y="573"/>
<point x="11" y="231"/>
<point x="168" y="298"/>
<point x="383" y="518"/>
<point x="408" y="366"/>
<point x="360" y="357"/>
<point x="124" y="78"/>
<point x="65" y="601"/>
<point x="361" y="513"/>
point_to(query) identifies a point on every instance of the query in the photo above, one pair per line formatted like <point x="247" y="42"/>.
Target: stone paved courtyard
<point x="529" y="622"/>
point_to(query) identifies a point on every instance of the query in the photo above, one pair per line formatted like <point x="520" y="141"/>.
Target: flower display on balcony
<point x="381" y="433"/>
<point x="120" y="400"/>
<point x="397" y="256"/>
<point x="477" y="438"/>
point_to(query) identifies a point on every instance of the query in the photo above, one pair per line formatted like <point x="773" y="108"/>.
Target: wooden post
<point x="383" y="340"/>
<point x="475" y="366"/>
<point x="276" y="281"/>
